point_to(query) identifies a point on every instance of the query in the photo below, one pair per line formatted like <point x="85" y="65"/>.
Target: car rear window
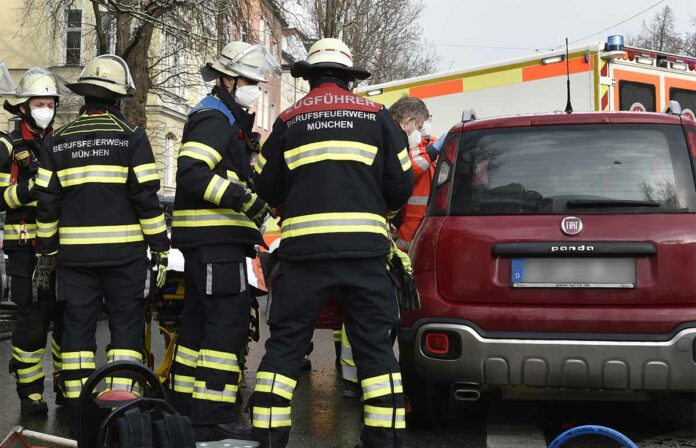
<point x="582" y="168"/>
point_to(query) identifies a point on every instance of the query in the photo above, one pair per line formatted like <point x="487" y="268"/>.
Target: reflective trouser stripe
<point x="202" y="152"/>
<point x="109" y="174"/>
<point x="348" y="369"/>
<point x="322" y="223"/>
<point x="216" y="189"/>
<point x="213" y="359"/>
<point x="404" y="159"/>
<point x="127" y="384"/>
<point x="55" y="351"/>
<point x="74" y="387"/>
<point x="275" y="383"/>
<point x="380" y="417"/>
<point x="266" y="418"/>
<point x="210" y="217"/>
<point x="153" y="226"/>
<point x="123" y="355"/>
<point x="380" y="386"/>
<point x="183" y="384"/>
<point x="13" y="232"/>
<point x="28" y="357"/>
<point x="145" y="173"/>
<point x="43" y="177"/>
<point x="228" y="395"/>
<point x="418" y="200"/>
<point x="127" y="233"/>
<point x="30" y="374"/>
<point x="337" y="150"/>
<point x="186" y="356"/>
<point x="337" y="335"/>
<point x="77" y="360"/>
<point x="46" y="229"/>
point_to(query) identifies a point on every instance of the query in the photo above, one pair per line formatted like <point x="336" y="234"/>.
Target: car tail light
<point x="437" y="343"/>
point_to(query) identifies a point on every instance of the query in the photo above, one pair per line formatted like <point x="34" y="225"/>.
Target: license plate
<point x="573" y="272"/>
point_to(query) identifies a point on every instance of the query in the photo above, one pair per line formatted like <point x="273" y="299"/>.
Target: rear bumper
<point x="664" y="365"/>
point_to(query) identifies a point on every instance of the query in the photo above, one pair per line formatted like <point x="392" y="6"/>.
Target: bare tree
<point x="659" y="34"/>
<point x="384" y="35"/>
<point x="189" y="32"/>
<point x="690" y="39"/>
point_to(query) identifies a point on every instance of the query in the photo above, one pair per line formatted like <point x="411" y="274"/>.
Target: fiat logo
<point x="571" y="225"/>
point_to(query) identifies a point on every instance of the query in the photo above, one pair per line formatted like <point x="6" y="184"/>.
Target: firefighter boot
<point x="232" y="430"/>
<point x="33" y="405"/>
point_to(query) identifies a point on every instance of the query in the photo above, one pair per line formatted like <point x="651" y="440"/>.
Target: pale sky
<point x="527" y="25"/>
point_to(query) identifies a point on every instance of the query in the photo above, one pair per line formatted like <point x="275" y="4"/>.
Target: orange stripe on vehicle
<point x="577" y="65"/>
<point x="438" y="89"/>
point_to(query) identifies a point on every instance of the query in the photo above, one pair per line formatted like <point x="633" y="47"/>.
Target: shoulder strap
<point x="214" y="103"/>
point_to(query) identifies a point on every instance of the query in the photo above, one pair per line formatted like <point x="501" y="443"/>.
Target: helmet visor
<point x="255" y="62"/>
<point x="7" y="84"/>
<point x="38" y="81"/>
<point x="127" y="83"/>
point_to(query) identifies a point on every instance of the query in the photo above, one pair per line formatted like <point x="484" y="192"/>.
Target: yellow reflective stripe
<point x="110" y="174"/>
<point x="228" y="395"/>
<point x="4" y="179"/>
<point x="183" y="384"/>
<point x="101" y="234"/>
<point x="202" y="152"/>
<point x="330" y="150"/>
<point x="216" y="188"/>
<point x="260" y="163"/>
<point x="77" y="360"/>
<point x="119" y="354"/>
<point x="276" y="384"/>
<point x="213" y="359"/>
<point x="404" y="160"/>
<point x="7" y="143"/>
<point x="382" y="417"/>
<point x="73" y="388"/>
<point x="274" y="417"/>
<point x="28" y="357"/>
<point x="13" y="232"/>
<point x="30" y="374"/>
<point x="211" y="217"/>
<point x="146" y="173"/>
<point x="232" y="177"/>
<point x="43" y="177"/>
<point x="127" y="384"/>
<point x="153" y="226"/>
<point x="186" y="356"/>
<point x="379" y="386"/>
<point x="46" y="229"/>
<point x="321" y="223"/>
<point x="11" y="198"/>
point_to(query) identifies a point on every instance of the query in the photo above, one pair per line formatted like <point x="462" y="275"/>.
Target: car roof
<point x="569" y="119"/>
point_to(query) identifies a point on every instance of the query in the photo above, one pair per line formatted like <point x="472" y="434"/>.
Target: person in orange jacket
<point x="412" y="114"/>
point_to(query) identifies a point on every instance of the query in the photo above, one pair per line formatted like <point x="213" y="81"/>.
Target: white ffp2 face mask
<point x="247" y="96"/>
<point x="43" y="116"/>
<point x="414" y="139"/>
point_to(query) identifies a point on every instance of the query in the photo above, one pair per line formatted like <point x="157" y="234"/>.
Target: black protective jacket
<point x="335" y="165"/>
<point x="98" y="186"/>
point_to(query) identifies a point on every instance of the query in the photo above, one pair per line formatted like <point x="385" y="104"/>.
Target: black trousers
<point x="214" y="331"/>
<point x="86" y="290"/>
<point x="369" y="308"/>
<point x="36" y="310"/>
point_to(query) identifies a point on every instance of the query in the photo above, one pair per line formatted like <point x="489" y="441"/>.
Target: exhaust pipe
<point x="466" y="393"/>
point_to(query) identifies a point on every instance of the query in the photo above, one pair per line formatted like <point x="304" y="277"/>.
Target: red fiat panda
<point x="558" y="253"/>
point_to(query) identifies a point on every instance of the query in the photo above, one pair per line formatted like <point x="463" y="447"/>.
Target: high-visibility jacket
<point x="412" y="214"/>
<point x="17" y="187"/>
<point x="98" y="186"/>
<point x="336" y="165"/>
<point x="213" y="176"/>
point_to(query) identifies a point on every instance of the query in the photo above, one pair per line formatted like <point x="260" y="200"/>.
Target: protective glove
<point x="255" y="208"/>
<point x="159" y="262"/>
<point x="401" y="273"/>
<point x="45" y="265"/>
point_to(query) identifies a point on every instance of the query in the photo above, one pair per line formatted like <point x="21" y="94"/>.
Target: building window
<point x="73" y="38"/>
<point x="174" y="66"/>
<point x="169" y="160"/>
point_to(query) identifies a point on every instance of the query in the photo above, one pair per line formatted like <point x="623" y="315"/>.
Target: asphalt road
<point x="323" y="419"/>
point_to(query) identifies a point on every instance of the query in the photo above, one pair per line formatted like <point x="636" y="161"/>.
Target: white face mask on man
<point x="247" y="96"/>
<point x="414" y="139"/>
<point x="43" y="116"/>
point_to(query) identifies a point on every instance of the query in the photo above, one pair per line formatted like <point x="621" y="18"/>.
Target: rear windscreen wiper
<point x="601" y="203"/>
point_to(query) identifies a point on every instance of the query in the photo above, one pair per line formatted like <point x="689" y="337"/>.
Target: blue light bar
<point x="615" y="43"/>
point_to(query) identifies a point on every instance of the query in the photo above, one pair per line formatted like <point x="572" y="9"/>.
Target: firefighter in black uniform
<point x="215" y="224"/>
<point x="35" y="104"/>
<point x="98" y="213"/>
<point x="336" y="165"/>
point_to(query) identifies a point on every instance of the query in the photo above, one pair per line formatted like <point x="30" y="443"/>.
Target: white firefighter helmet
<point x="240" y="59"/>
<point x="37" y="82"/>
<point x="329" y="53"/>
<point x="7" y="84"/>
<point x="107" y="77"/>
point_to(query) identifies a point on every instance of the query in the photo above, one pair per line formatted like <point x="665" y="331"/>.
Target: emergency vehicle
<point x="604" y="76"/>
